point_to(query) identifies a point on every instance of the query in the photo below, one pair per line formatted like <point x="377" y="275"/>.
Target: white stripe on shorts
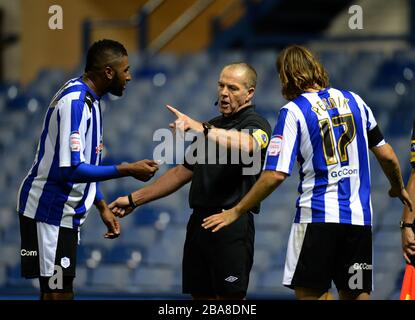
<point x="295" y="243"/>
<point x="47" y="237"/>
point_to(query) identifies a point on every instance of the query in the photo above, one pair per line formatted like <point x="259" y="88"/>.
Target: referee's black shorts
<point x="218" y="263"/>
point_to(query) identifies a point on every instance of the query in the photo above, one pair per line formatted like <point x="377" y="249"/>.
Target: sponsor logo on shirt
<point x="275" y="145"/>
<point x="28" y="253"/>
<point x="344" y="172"/>
<point x="75" y="141"/>
<point x="362" y="266"/>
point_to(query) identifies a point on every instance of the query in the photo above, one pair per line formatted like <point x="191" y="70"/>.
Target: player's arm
<point x="142" y="170"/>
<point x="73" y="127"/>
<point x="233" y="139"/>
<point x="169" y="182"/>
<point x="266" y="184"/>
<point x="408" y="236"/>
<point x="227" y="138"/>
<point x="113" y="226"/>
<point x="391" y="168"/>
<point x="390" y="165"/>
<point x="386" y="157"/>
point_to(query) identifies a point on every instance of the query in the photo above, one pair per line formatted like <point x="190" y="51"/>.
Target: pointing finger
<point x="174" y="110"/>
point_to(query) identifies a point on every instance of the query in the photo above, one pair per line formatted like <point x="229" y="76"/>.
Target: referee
<point x="60" y="188"/>
<point x="215" y="266"/>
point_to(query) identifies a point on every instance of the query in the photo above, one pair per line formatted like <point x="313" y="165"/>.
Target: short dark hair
<point x="102" y="52"/>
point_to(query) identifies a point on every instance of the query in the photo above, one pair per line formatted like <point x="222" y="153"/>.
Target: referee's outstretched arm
<point x="227" y="138"/>
<point x="168" y="183"/>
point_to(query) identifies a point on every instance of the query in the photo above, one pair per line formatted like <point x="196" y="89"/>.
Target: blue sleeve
<point x="89" y="173"/>
<point x="98" y="195"/>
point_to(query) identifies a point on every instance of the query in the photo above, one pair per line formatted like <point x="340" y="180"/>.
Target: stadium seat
<point x="154" y="279"/>
<point x="10" y="254"/>
<point x="271" y="283"/>
<point x="141" y="236"/>
<point x="115" y="276"/>
<point x="165" y="255"/>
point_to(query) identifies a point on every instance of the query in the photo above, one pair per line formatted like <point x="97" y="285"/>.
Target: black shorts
<point x="47" y="249"/>
<point x="319" y="253"/>
<point x="218" y="263"/>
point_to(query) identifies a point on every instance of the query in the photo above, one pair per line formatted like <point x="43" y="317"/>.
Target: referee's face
<point x="233" y="94"/>
<point x="121" y="77"/>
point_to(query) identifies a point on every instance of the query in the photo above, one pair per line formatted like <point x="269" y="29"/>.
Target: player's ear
<point x="109" y="72"/>
<point x="250" y="95"/>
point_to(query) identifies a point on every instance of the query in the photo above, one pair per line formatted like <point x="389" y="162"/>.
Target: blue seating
<point x="90" y="256"/>
<point x="3" y="275"/>
<point x="82" y="276"/>
<point x="165" y="255"/>
<point x="142" y="236"/>
<point x="115" y="276"/>
<point x="270" y="283"/>
<point x="271" y="239"/>
<point x="131" y="256"/>
<point x="9" y="254"/>
<point x="154" y="279"/>
<point x="147" y="216"/>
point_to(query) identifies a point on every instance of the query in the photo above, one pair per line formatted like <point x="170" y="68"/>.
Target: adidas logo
<point x="231" y="279"/>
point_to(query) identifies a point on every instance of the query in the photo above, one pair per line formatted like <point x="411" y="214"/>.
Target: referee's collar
<point x="96" y="97"/>
<point x="242" y="111"/>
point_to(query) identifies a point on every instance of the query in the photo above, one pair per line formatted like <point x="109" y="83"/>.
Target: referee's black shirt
<point x="224" y="185"/>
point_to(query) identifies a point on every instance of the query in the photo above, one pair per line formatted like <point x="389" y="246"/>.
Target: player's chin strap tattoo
<point x="131" y="202"/>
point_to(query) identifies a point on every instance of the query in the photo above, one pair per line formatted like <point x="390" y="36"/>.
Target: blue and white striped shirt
<point x="71" y="134"/>
<point x="327" y="133"/>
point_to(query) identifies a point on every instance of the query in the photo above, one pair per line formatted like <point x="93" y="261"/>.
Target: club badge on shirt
<point x="65" y="262"/>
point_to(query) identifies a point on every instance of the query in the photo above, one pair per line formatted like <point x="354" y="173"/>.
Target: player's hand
<point x="403" y="195"/>
<point x="183" y="122"/>
<point x="113" y="225"/>
<point x="220" y="220"/>
<point x="121" y="207"/>
<point x="408" y="243"/>
<point x="142" y="170"/>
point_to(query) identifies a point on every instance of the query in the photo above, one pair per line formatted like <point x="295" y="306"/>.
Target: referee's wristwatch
<point x="206" y="127"/>
<point x="403" y="224"/>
